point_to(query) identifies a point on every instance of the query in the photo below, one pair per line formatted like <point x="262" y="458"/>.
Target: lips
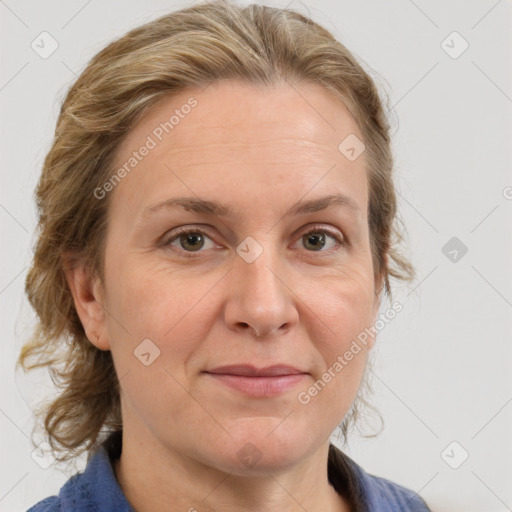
<point x="258" y="382"/>
<point x="251" y="371"/>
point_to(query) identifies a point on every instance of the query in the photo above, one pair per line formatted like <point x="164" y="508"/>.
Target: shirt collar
<point x="97" y="490"/>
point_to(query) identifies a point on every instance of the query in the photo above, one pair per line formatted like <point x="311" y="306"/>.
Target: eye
<point x="190" y="240"/>
<point x="317" y="239"/>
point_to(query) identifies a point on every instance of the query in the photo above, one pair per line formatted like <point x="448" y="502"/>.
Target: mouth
<point x="259" y="382"/>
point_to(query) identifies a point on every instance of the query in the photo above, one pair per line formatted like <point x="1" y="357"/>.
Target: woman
<point x="217" y="228"/>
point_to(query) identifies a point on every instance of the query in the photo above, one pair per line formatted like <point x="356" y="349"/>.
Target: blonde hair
<point x="190" y="47"/>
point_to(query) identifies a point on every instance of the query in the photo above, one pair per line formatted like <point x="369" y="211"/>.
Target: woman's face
<point x="258" y="283"/>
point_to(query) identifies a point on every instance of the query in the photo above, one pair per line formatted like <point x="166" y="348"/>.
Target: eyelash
<point x="194" y="254"/>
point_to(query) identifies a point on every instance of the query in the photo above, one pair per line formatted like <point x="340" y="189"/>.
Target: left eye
<point x="317" y="239"/>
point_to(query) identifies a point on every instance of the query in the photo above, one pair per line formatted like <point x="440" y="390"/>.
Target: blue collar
<point x="97" y="490"/>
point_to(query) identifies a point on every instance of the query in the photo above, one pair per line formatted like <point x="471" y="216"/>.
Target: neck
<point x="157" y="480"/>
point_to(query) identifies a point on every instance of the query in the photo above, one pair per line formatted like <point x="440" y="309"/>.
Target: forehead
<point x="229" y="111"/>
<point x="236" y="131"/>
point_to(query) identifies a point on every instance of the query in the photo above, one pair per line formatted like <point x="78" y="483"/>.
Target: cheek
<point x="154" y="303"/>
<point x="344" y="307"/>
<point x="343" y="312"/>
<point x="161" y="304"/>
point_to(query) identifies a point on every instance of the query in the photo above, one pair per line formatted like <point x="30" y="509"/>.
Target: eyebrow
<point x="221" y="210"/>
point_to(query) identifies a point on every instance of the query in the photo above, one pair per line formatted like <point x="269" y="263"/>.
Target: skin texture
<point x="260" y="150"/>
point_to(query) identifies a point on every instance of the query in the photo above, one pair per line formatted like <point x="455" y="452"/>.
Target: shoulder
<point x="369" y="492"/>
<point x="67" y="500"/>
<point x="94" y="489"/>
<point x="395" y="497"/>
<point x="50" y="504"/>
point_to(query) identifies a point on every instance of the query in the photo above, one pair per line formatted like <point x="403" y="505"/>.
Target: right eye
<point x="189" y="241"/>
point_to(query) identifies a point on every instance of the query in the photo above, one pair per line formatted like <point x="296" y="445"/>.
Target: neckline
<point x="342" y="471"/>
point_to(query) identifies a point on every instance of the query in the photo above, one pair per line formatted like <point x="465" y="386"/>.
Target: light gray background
<point x="443" y="365"/>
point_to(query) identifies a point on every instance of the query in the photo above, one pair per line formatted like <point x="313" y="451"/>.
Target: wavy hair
<point x="190" y="47"/>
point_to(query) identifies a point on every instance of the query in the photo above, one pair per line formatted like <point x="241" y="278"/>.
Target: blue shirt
<point x="97" y="490"/>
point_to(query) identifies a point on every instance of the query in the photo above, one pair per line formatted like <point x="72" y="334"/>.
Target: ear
<point x="87" y="292"/>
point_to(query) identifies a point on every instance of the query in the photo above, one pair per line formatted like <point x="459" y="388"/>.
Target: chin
<point x="263" y="445"/>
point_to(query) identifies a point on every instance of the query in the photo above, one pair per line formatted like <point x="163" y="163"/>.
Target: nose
<point x="260" y="301"/>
